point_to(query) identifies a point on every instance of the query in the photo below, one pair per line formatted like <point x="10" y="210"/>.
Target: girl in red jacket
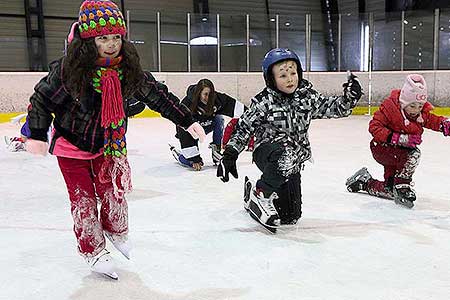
<point x="397" y="129"/>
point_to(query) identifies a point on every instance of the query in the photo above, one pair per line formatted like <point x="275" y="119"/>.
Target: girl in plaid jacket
<point x="87" y="95"/>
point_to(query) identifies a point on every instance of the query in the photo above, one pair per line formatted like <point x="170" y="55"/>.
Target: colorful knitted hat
<point x="100" y="18"/>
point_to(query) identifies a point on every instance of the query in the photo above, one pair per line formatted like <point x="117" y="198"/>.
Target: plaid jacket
<point x="274" y="118"/>
<point x="78" y="120"/>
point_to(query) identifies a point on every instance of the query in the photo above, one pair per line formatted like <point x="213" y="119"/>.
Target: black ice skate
<point x="215" y="153"/>
<point x="175" y="152"/>
<point x="358" y="182"/>
<point x="262" y="209"/>
<point x="404" y="195"/>
<point x="247" y="189"/>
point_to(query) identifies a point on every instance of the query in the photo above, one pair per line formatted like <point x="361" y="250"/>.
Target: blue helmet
<point x="277" y="55"/>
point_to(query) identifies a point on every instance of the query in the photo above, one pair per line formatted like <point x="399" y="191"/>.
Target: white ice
<point x="192" y="239"/>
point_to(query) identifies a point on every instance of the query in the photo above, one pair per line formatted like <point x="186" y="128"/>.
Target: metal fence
<point x="178" y="42"/>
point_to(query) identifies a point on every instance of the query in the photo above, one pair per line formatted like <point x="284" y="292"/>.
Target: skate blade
<point x="272" y="230"/>
<point x="352" y="179"/>
<point x="406" y="204"/>
<point x="111" y="275"/>
<point x="247" y="191"/>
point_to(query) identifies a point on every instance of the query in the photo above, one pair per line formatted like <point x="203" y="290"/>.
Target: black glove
<point x="352" y="89"/>
<point x="227" y="164"/>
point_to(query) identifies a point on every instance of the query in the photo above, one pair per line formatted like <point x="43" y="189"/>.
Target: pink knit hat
<point x="414" y="90"/>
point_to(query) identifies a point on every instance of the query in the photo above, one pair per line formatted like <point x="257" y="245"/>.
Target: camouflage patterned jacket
<point x="277" y="118"/>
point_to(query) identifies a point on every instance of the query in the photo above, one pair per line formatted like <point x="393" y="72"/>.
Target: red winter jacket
<point x="389" y="119"/>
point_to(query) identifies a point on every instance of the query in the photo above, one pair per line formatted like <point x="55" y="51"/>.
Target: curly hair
<point x="201" y="85"/>
<point x="79" y="64"/>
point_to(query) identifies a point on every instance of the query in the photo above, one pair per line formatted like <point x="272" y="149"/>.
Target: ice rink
<point x="194" y="241"/>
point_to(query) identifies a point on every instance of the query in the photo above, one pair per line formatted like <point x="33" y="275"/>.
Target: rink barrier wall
<point x="17" y="87"/>
<point x="147" y="113"/>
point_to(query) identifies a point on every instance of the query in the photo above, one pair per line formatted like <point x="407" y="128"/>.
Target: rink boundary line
<point x="364" y="110"/>
<point x="147" y="113"/>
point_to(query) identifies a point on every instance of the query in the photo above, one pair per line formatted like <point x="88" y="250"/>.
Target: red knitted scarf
<point x="115" y="168"/>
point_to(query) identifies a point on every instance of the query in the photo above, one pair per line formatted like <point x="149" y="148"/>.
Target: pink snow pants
<point x="85" y="190"/>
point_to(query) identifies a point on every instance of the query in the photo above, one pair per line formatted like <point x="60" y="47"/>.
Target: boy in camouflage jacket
<point x="279" y="118"/>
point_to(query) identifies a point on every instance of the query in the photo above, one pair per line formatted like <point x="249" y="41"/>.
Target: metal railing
<point x="176" y="42"/>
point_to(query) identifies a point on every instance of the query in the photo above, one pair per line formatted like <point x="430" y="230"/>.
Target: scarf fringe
<point x="112" y="101"/>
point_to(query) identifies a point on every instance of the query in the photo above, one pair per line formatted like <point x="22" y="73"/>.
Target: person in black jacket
<point x="87" y="94"/>
<point x="208" y="107"/>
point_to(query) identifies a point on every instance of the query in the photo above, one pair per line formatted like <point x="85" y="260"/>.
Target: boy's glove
<point x="227" y="164"/>
<point x="406" y="140"/>
<point x="197" y="131"/>
<point x="445" y="127"/>
<point x="352" y="88"/>
<point x="36" y="147"/>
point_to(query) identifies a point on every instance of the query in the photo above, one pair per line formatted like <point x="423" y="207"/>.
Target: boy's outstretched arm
<point x="337" y="106"/>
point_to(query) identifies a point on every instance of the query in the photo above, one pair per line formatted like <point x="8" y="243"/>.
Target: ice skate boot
<point x="121" y="243"/>
<point x="404" y="195"/>
<point x="175" y="152"/>
<point x="15" y="144"/>
<point x="215" y="153"/>
<point x="103" y="264"/>
<point x="358" y="182"/>
<point x="179" y="157"/>
<point x="262" y="209"/>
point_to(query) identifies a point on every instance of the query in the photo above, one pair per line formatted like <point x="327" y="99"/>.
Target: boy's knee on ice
<point x="289" y="202"/>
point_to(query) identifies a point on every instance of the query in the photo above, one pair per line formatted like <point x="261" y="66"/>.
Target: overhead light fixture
<point x="204" y="41"/>
<point x="272" y="19"/>
<point x="204" y="19"/>
<point x="174" y="43"/>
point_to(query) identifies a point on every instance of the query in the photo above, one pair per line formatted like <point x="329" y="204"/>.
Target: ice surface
<point x="193" y="240"/>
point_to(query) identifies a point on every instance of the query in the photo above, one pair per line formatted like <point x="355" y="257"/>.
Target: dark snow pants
<point x="288" y="188"/>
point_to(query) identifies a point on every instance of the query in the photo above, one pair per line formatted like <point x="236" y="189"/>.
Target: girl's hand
<point x="197" y="166"/>
<point x="445" y="127"/>
<point x="36" y="147"/>
<point x="406" y="140"/>
<point x="197" y="132"/>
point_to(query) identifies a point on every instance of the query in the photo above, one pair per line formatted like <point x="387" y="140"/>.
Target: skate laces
<point x="267" y="203"/>
<point x="101" y="256"/>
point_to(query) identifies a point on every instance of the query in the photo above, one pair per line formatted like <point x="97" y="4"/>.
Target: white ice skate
<point x="262" y="209"/>
<point x="121" y="243"/>
<point x="215" y="153"/>
<point x="14" y="144"/>
<point x="103" y="264"/>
